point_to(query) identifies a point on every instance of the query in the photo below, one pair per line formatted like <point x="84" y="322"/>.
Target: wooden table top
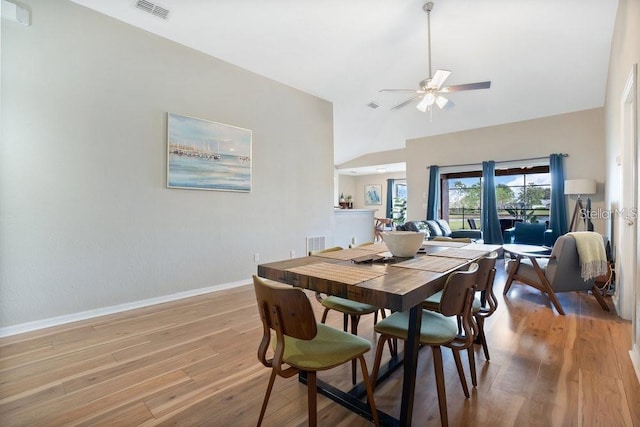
<point x="384" y="284"/>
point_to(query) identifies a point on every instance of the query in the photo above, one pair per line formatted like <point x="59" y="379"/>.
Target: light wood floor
<point x="193" y="363"/>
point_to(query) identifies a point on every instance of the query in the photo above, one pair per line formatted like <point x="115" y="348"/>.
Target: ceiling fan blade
<point x="442" y="102"/>
<point x="408" y="101"/>
<point x="400" y="90"/>
<point x="468" y="86"/>
<point x="438" y="79"/>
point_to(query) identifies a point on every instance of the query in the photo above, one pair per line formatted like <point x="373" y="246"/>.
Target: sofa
<point x="438" y="229"/>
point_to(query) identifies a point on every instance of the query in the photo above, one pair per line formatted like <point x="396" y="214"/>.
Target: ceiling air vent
<point x="373" y="105"/>
<point x="153" y="9"/>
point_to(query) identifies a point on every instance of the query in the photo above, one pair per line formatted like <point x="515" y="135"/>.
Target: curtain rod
<point x="501" y="162"/>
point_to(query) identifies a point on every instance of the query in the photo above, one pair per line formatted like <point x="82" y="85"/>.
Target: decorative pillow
<point x="410" y="226"/>
<point x="434" y="228"/>
<point x="444" y="226"/>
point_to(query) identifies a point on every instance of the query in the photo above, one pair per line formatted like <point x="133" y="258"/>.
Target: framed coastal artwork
<point x="206" y="155"/>
<point x="372" y="194"/>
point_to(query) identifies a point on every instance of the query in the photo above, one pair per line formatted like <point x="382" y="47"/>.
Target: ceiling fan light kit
<point x="430" y="89"/>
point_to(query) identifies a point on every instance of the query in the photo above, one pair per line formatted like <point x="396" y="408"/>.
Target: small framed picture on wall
<point x="373" y="194"/>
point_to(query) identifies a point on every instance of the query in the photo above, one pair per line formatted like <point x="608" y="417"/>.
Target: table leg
<point x="410" y="365"/>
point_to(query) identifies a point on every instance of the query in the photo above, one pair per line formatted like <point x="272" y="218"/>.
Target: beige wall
<point x="355" y="185"/>
<point x="86" y="221"/>
<point x="581" y="135"/>
<point x="378" y="158"/>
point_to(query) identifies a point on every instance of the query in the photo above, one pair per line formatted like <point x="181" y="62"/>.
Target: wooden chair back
<point x="485" y="266"/>
<point x="380" y="225"/>
<point x="457" y="300"/>
<point x="484" y="282"/>
<point x="457" y="295"/>
<point x="285" y="310"/>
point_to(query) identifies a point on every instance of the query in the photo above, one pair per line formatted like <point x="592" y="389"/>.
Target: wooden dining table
<point x="377" y="278"/>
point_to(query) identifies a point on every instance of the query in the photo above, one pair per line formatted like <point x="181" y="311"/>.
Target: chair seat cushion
<point x="348" y="306"/>
<point x="330" y="347"/>
<point x="435" y="329"/>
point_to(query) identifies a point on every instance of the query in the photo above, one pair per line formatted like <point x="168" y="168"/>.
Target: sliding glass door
<point x="522" y="194"/>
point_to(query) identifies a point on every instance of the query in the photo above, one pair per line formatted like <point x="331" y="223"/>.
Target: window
<point x="522" y="194"/>
<point x="399" y="205"/>
<point x="400" y="189"/>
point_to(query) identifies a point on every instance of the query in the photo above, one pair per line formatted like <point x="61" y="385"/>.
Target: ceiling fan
<point x="431" y="90"/>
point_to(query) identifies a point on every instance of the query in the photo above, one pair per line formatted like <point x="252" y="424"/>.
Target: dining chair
<point x="438" y="329"/>
<point x="303" y="345"/>
<point x="380" y="225"/>
<point x="484" y="285"/>
<point x="350" y="310"/>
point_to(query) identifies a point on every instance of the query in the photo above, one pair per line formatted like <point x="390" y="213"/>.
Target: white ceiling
<point x="374" y="169"/>
<point x="543" y="57"/>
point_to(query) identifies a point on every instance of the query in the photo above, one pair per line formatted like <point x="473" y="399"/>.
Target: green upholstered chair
<point x="438" y="329"/>
<point x="484" y="285"/>
<point x="349" y="309"/>
<point x="301" y="344"/>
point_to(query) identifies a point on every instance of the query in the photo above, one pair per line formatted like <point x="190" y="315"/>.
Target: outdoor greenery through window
<point x="522" y="194"/>
<point x="399" y="211"/>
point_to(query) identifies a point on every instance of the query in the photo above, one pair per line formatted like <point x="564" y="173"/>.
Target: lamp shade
<point x="580" y="186"/>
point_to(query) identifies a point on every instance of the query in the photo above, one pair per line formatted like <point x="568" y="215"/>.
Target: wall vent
<point x="315" y="243"/>
<point x="152" y="8"/>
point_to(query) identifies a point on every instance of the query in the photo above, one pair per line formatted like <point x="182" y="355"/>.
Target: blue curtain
<point x="490" y="224"/>
<point x="390" y="182"/>
<point x="434" y="185"/>
<point x="558" y="215"/>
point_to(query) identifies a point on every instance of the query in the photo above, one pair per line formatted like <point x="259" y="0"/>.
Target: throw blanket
<point x="593" y="258"/>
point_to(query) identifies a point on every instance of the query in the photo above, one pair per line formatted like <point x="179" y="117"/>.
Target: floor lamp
<point x="580" y="187"/>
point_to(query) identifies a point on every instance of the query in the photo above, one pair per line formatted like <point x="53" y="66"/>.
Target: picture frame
<point x="207" y="155"/>
<point x="373" y="194"/>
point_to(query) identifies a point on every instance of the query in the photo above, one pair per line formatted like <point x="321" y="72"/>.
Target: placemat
<point x="451" y="244"/>
<point x="431" y="263"/>
<point x="350" y="275"/>
<point x="463" y="253"/>
<point x="347" y="254"/>
<point x="375" y="248"/>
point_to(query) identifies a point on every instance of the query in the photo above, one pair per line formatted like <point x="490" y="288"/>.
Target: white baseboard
<point x="84" y="315"/>
<point x="635" y="359"/>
